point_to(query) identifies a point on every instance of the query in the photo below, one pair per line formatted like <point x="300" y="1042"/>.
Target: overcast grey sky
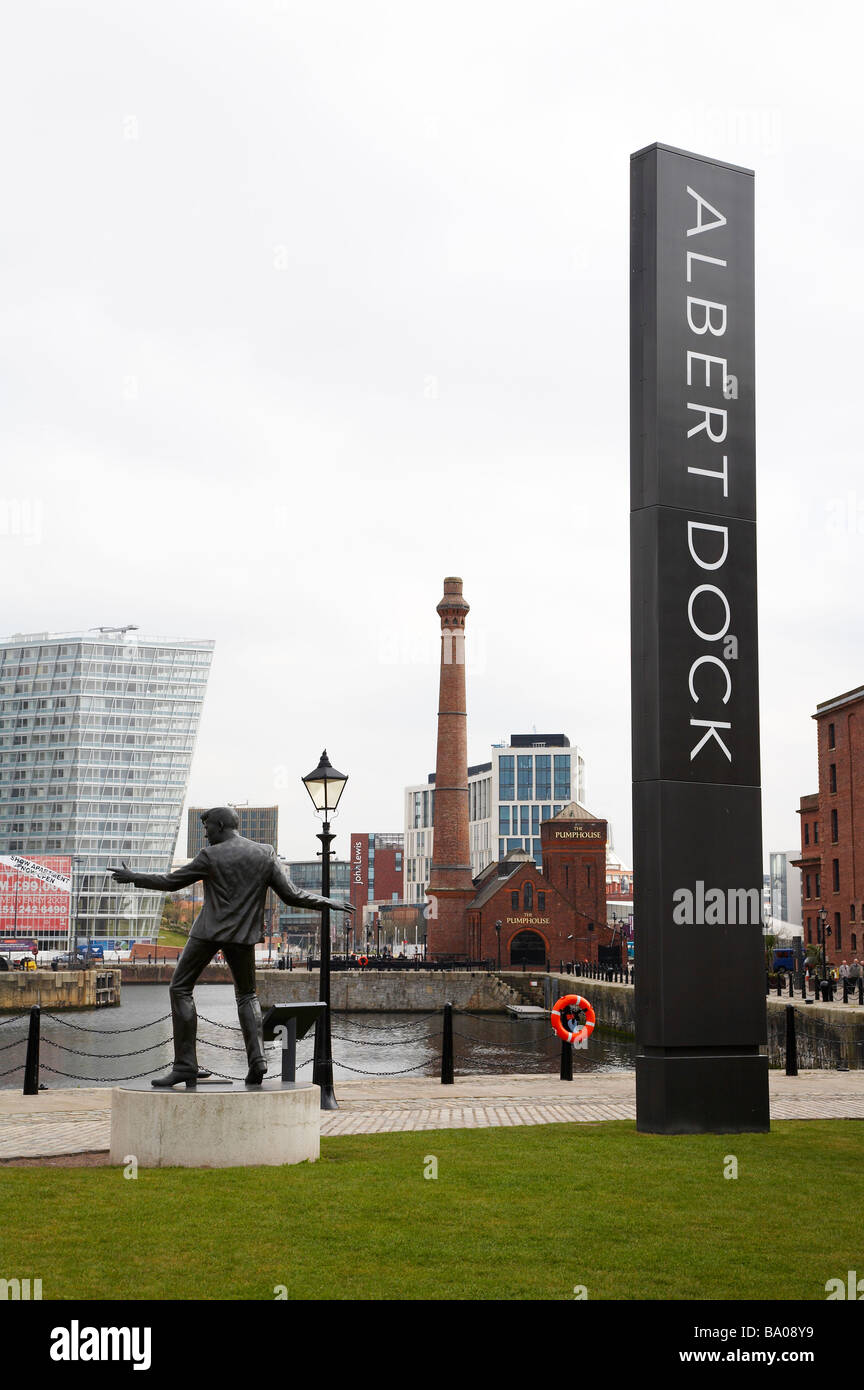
<point x="306" y="306"/>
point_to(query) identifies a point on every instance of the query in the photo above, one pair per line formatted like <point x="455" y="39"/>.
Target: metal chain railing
<point x="369" y="1042"/>
<point x="32" y="1065"/>
<point x="383" y="1074"/>
<point x="390" y="1027"/>
<point x="82" y="1029"/>
<point x="101" y="1056"/>
<point x="136" y="1076"/>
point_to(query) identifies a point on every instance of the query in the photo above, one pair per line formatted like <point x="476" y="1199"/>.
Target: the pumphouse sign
<point x="700" y="1004"/>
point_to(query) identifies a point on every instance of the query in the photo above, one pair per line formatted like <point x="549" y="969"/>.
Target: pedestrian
<point x="855" y="969"/>
<point x="844" y="970"/>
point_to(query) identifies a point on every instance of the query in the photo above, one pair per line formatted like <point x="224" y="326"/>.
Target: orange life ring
<point x="580" y="1034"/>
<point x="362" y="960"/>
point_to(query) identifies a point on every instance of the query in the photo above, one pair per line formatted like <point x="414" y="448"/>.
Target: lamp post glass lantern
<point x="821" y="935"/>
<point x="325" y="787"/>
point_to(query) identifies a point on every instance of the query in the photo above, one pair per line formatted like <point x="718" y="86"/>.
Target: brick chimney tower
<point x="450" y="882"/>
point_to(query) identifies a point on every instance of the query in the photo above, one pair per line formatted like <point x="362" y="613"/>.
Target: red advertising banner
<point x="35" y="894"/>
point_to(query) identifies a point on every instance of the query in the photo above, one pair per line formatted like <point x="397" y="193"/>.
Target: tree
<point x="176" y="915"/>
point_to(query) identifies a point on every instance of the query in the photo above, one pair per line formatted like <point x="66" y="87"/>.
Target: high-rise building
<point x="299" y="926"/>
<point x="259" y="823"/>
<point x="526" y="781"/>
<point x="97" y="732"/>
<point x="785" y="887"/>
<point x="832" y="832"/>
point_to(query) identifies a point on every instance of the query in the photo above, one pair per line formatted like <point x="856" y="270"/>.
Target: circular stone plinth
<point x="215" y="1128"/>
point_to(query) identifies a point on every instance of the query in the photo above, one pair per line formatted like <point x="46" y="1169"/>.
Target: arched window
<point x="528" y="897"/>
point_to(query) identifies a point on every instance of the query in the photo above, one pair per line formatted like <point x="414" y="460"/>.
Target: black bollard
<point x="31" y="1065"/>
<point x="566" y="1072"/>
<point x="861" y="989"/>
<point x="779" y="984"/>
<point x="791" y="1043"/>
<point x="791" y="991"/>
<point x="447" y="1047"/>
<point x="767" y="983"/>
<point x="845" y="990"/>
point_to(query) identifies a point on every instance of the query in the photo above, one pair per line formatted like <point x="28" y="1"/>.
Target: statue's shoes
<point x="174" y="1077"/>
<point x="255" y="1075"/>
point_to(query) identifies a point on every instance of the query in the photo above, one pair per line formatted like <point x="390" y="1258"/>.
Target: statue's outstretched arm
<point x="166" y="883"/>
<point x="300" y="897"/>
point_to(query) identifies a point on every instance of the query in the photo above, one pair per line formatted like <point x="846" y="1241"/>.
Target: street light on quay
<point x="325" y="786"/>
<point x="823" y="931"/>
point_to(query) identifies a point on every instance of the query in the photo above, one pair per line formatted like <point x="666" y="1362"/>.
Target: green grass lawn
<point x="521" y="1213"/>
<point x="172" y="938"/>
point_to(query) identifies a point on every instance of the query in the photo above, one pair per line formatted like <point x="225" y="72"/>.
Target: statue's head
<point x="220" y="822"/>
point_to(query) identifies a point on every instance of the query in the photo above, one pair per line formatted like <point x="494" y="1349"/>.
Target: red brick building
<point x="376" y="870"/>
<point x="832" y="832"/>
<point x="559" y="914"/>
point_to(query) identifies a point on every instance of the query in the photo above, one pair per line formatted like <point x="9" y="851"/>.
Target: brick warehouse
<point x="512" y="910"/>
<point x="832" y="831"/>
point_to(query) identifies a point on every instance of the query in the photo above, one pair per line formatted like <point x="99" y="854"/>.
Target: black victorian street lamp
<point x="498" y="934"/>
<point x="822" y="931"/>
<point x="325" y="786"/>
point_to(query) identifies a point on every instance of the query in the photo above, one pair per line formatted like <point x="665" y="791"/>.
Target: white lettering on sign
<point x="708" y="612"/>
<point x="37" y="873"/>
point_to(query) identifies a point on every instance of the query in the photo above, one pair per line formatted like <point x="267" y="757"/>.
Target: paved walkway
<point x="79" y="1121"/>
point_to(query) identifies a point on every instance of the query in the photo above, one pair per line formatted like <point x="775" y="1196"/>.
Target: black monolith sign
<point x="700" y="1001"/>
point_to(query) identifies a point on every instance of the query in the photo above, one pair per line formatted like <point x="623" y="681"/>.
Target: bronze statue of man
<point x="237" y="874"/>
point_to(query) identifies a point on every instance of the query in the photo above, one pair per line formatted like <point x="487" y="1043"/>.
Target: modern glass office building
<point x="299" y="927"/>
<point x="526" y="781"/>
<point x="97" y="731"/>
